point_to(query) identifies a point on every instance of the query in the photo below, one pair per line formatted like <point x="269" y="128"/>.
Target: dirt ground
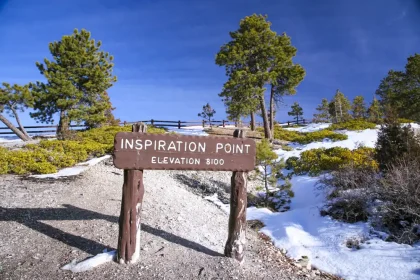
<point x="45" y="224"/>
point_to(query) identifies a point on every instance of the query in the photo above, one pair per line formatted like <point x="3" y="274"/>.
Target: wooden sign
<point x="140" y="151"/>
<point x="137" y="150"/>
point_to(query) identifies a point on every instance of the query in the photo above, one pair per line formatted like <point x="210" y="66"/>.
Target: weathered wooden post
<point x="137" y="151"/>
<point x="235" y="244"/>
<point x="179" y="124"/>
<point x="131" y="204"/>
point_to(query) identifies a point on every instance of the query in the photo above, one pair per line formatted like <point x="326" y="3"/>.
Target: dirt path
<point x="46" y="224"/>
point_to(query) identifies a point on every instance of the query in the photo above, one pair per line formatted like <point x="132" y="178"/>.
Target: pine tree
<point x="395" y="142"/>
<point x="207" y="113"/>
<point x="401" y="89"/>
<point x="297" y="112"/>
<point x="77" y="78"/>
<point x="374" y="111"/>
<point x="14" y="99"/>
<point x="324" y="114"/>
<point x="359" y="107"/>
<point x="257" y="58"/>
<point x="339" y="107"/>
<point x="269" y="170"/>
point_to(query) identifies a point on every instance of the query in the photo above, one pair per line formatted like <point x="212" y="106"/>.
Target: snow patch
<point x="355" y="139"/>
<point x="91" y="262"/>
<point x="72" y="171"/>
<point x="213" y="198"/>
<point x="310" y="127"/>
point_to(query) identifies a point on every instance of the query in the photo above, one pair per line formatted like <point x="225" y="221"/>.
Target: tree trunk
<point x="272" y="108"/>
<point x="267" y="191"/>
<point x="63" y="126"/>
<point x="235" y="244"/>
<point x="252" y="121"/>
<point x="267" y="131"/>
<point x="13" y="128"/>
<point x="20" y="124"/>
<point x="131" y="204"/>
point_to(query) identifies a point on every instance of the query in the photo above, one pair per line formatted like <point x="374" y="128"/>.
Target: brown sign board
<point x="137" y="150"/>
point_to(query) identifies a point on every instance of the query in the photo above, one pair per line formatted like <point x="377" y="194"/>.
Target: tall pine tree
<point x="359" y="107"/>
<point x="401" y="90"/>
<point x="262" y="59"/>
<point x="374" y="111"/>
<point x="323" y="112"/>
<point x="297" y="112"/>
<point x="77" y="79"/>
<point x="339" y="107"/>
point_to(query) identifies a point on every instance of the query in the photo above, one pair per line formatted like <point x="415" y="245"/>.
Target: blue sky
<point x="165" y="49"/>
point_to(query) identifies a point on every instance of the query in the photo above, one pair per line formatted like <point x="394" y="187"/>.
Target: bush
<point x="50" y="155"/>
<point x="400" y="191"/>
<point x="315" y="161"/>
<point x="355" y="124"/>
<point x="394" y="143"/>
<point x="391" y="201"/>
<point x="306" y="137"/>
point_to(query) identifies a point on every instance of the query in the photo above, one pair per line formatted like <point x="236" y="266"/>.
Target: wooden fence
<point x="158" y="123"/>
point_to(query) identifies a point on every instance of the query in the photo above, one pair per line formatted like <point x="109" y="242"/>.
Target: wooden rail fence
<point x="158" y="123"/>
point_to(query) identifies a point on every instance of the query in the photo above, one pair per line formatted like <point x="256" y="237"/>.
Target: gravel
<point x="45" y="224"/>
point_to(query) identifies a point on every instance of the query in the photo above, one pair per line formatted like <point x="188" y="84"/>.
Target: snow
<point x="310" y="127"/>
<point x="213" y="198"/>
<point x="355" y="139"/>
<point x="90" y="263"/>
<point x="302" y="231"/>
<point x="72" y="171"/>
<point x="189" y="130"/>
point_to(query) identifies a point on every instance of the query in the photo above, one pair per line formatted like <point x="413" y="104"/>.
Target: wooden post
<point x="131" y="204"/>
<point x="179" y="124"/>
<point x="152" y="122"/>
<point x="288" y="123"/>
<point x="235" y="244"/>
<point x="223" y="123"/>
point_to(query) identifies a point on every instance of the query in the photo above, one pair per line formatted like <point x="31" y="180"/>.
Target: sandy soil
<point x="45" y="224"/>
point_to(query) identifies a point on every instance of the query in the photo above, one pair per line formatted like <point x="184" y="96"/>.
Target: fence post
<point x="288" y="123"/>
<point x="179" y="124"/>
<point x="152" y="122"/>
<point x="223" y="123"/>
<point x="131" y="204"/>
<point x="235" y="244"/>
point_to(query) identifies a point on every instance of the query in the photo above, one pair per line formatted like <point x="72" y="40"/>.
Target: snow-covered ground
<point x="355" y="139"/>
<point x="310" y="127"/>
<point x="302" y="231"/>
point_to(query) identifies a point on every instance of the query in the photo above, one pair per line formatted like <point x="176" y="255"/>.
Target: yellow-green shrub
<point x="315" y="161"/>
<point x="50" y="155"/>
<point x="402" y="120"/>
<point x="305" y="137"/>
<point x="355" y="124"/>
